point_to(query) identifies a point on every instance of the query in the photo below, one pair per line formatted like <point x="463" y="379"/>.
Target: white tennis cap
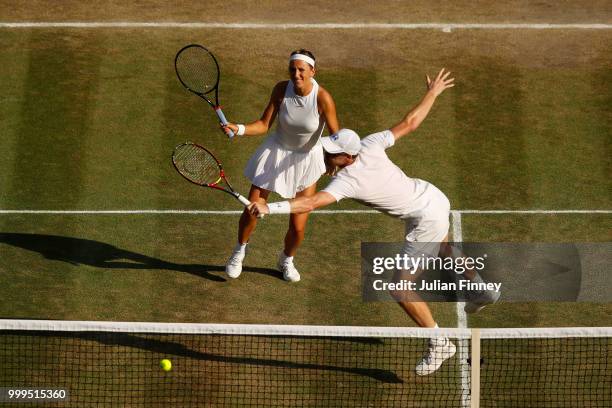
<point x="343" y="141"/>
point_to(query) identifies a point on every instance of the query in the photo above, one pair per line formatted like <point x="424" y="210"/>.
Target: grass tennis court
<point x="97" y="267"/>
<point x="92" y="116"/>
<point x="89" y="118"/>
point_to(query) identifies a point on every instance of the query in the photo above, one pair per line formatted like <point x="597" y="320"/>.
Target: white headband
<point x="302" y="57"/>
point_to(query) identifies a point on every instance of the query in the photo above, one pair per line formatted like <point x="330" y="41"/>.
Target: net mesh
<point x="197" y="69"/>
<point x="196" y="164"/>
<point x="339" y="367"/>
<point x="547" y="372"/>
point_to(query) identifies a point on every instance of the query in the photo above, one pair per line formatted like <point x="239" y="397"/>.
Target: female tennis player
<point x="290" y="160"/>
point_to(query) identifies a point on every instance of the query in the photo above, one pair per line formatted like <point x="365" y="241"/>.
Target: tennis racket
<point x="198" y="71"/>
<point x="198" y="165"/>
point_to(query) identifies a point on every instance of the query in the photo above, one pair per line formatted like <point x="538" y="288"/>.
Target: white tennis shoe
<point x="285" y="265"/>
<point x="233" y="267"/>
<point x="440" y="350"/>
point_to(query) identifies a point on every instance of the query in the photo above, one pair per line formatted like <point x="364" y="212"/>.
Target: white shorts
<point x="286" y="172"/>
<point x="425" y="233"/>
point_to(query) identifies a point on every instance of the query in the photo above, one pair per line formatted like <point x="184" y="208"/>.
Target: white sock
<point x="285" y="258"/>
<point x="441" y="340"/>
<point x="240" y="247"/>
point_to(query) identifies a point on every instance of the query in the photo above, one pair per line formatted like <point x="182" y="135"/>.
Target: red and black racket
<point x="199" y="72"/>
<point x="198" y="165"/>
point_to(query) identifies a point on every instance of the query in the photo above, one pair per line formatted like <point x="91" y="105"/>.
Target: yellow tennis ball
<point x="165" y="364"/>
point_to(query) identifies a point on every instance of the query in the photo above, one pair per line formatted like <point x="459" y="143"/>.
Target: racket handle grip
<point x="243" y="200"/>
<point x="246" y="203"/>
<point x="221" y="116"/>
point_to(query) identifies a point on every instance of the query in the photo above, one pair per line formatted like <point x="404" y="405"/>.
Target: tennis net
<point x="118" y="364"/>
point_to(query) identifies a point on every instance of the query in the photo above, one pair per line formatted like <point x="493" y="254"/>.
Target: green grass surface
<point x="227" y="370"/>
<point x="90" y="117"/>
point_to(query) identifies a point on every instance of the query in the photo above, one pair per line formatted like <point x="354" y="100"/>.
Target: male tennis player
<point x="367" y="175"/>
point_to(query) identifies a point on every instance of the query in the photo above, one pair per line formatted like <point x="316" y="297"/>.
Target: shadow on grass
<point x="79" y="251"/>
<point x="178" y="349"/>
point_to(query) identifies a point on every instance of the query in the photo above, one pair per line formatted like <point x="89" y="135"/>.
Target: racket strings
<point x="197" y="69"/>
<point x="197" y="165"/>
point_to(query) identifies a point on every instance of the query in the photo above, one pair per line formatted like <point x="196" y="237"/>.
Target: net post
<point x="475" y="369"/>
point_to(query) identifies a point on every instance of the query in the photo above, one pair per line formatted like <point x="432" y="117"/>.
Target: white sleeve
<point x="340" y="188"/>
<point x="382" y="140"/>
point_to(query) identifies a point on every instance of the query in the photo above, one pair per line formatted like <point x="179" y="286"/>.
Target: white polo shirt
<point x="374" y="180"/>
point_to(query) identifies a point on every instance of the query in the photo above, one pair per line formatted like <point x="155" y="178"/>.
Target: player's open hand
<point x="258" y="209"/>
<point x="441" y="82"/>
<point x="227" y="129"/>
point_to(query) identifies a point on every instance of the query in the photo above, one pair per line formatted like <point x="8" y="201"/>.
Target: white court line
<point x="462" y="323"/>
<point x="457" y="232"/>
<point x="535" y="211"/>
<point x="120" y="212"/>
<point x="188" y="212"/>
<point x="456" y="229"/>
<point x="325" y="212"/>
<point x="287" y="26"/>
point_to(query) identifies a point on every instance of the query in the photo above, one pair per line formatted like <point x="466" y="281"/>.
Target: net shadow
<point x="173" y="348"/>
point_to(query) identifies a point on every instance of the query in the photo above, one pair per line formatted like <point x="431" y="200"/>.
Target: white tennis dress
<point x="291" y="158"/>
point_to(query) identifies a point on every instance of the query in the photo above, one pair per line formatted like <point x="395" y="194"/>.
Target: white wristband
<point x="241" y="130"/>
<point x="282" y="207"/>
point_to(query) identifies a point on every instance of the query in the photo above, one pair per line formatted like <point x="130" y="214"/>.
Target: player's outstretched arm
<point x="264" y="123"/>
<point x="417" y="115"/>
<point x="295" y="206"/>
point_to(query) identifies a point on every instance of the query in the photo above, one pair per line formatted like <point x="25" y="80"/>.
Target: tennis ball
<point x="165" y="364"/>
